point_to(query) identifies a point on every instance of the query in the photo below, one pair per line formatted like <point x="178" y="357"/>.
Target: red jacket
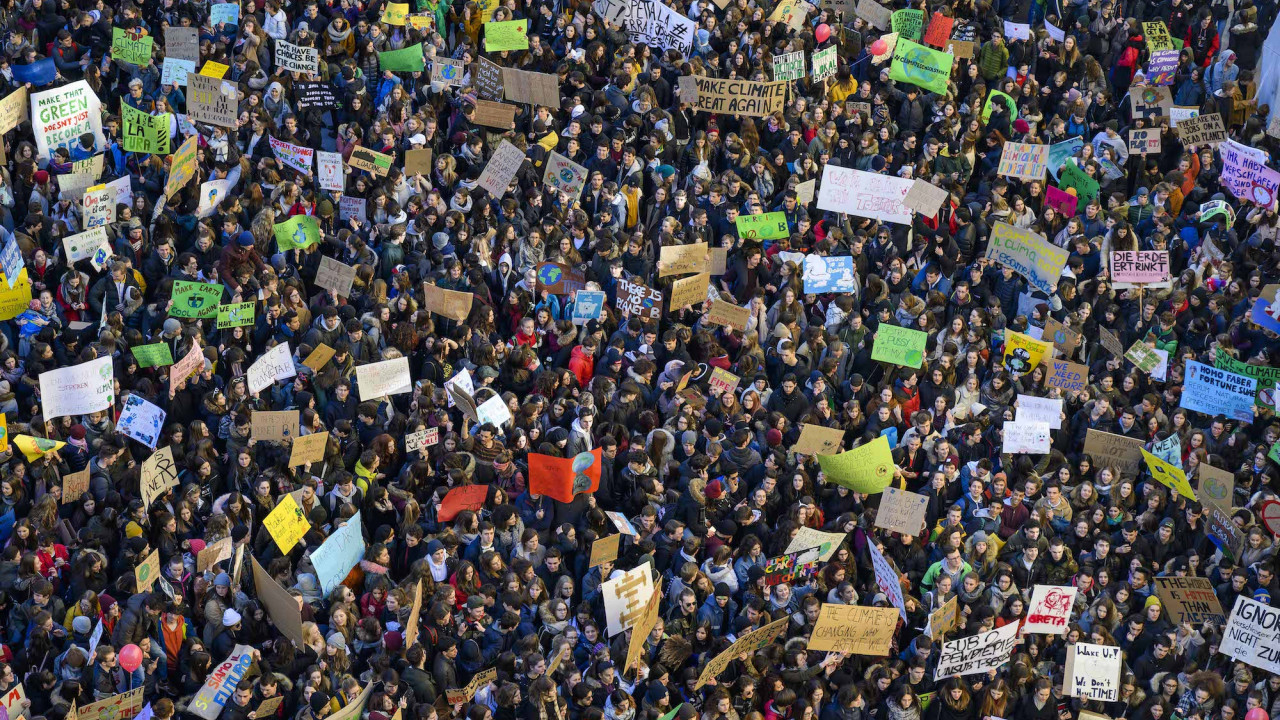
<point x="582" y="364"/>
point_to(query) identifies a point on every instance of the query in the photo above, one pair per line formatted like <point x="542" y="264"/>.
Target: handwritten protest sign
<point x="286" y="522"/>
<point x="733" y="97"/>
<point x="864" y="194"/>
<point x="902" y="511"/>
<point x="1253" y="634"/>
<point x="899" y="345"/>
<point x="1144" y="141"/>
<point x="818" y="440"/>
<point x="1028" y="254"/>
<point x="977" y="653"/>
<point x="1212" y="391"/>
<point x="1027" y="161"/>
<point x="1093" y="671"/>
<point x="1189" y="599"/>
<point x="1202" y="130"/>
<point x="826" y="542"/>
<point x="866" y="469"/>
<point x="854" y="629"/>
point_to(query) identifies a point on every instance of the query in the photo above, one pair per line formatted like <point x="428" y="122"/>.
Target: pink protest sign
<point x="1063" y="202"/>
<point x="1140" y="266"/>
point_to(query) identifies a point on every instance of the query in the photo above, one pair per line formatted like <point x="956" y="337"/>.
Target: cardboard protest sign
<point x="213" y="554"/>
<point x="749" y="643"/>
<point x="1093" y="671"/>
<point x="1202" y="130"/>
<point x="560" y="279"/>
<point x="564" y="478"/>
<point x="501" y="169"/>
<point x="336" y="277"/>
<point x="854" y="629"/>
<point x="495" y="114"/>
<point x="688" y="291"/>
<point x="644" y="624"/>
<point x="1028" y="254"/>
<point x="977" y="653"/>
<point x="159" y="473"/>
<point x="468" y="693"/>
<point x="452" y="304"/>
<point x="270" y="425"/>
<point x="818" y="440"/>
<point x="682" y="259"/>
<point x="121" y="706"/>
<point x="74" y="485"/>
<point x="147" y="572"/>
<point x="1145" y="141"/>
<point x="899" y="346"/>
<point x="488" y="79"/>
<point x="531" y="88"/>
<point x="735" y="97"/>
<point x="873" y="12"/>
<point x="1189" y="599"/>
<point x="867" y="469"/>
<point x="902" y="511"/>
<point x="864" y="194"/>
<point x="944" y="619"/>
<point x="362" y="158"/>
<point x="319" y="357"/>
<point x="279" y="604"/>
<point x="605" y="550"/>
<point x="636" y="300"/>
<point x="1063" y="338"/>
<point x="727" y="314"/>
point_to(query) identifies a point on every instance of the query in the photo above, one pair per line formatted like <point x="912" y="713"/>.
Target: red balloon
<point x="879" y="46"/>
<point x="130" y="657"/>
<point x="822" y="32"/>
<point x="1256" y="714"/>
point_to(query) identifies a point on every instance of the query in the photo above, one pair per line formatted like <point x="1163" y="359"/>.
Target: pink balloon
<point x="1256" y="714"/>
<point x="130" y="657"/>
<point x="822" y="32"/>
<point x="879" y="46"/>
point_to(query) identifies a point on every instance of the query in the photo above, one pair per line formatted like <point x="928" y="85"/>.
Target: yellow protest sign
<point x="34" y="448"/>
<point x="287" y="523"/>
<point x="395" y="13"/>
<point x="866" y="469"/>
<point x="854" y="629"/>
<point x="14" y="300"/>
<point x="183" y="168"/>
<point x="1022" y="353"/>
<point x="214" y="69"/>
<point x="1169" y="475"/>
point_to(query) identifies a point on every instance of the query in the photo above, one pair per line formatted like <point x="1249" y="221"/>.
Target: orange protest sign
<point x="563" y="478"/>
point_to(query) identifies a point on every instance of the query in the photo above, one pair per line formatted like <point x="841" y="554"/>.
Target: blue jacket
<point x="719" y="617"/>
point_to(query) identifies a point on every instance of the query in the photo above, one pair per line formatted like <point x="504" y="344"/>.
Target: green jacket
<point x="993" y="60"/>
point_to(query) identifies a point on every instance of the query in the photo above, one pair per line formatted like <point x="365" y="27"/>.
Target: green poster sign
<point x="507" y="35"/>
<point x="235" y="315"/>
<point x="899" y="345"/>
<point x="1008" y="101"/>
<point x="909" y="24"/>
<point x="144" y="133"/>
<point x="922" y="66"/>
<point x="1071" y="176"/>
<point x="300" y="231"/>
<point x="153" y="355"/>
<point x="769" y="226"/>
<point x="408" y="59"/>
<point x="1268" y="377"/>
<point x="126" y="49"/>
<point x="195" y="299"/>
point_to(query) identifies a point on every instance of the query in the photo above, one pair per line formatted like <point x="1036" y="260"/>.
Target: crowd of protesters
<point x="711" y="484"/>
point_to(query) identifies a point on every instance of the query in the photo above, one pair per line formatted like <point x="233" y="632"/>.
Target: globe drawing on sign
<point x="914" y="358"/>
<point x="549" y="274"/>
<point x="195" y="301"/>
<point x="1150" y="96"/>
<point x="582" y="462"/>
<point x="914" y="65"/>
<point x="1214" y="489"/>
<point x="448" y="72"/>
<point x="567" y="176"/>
